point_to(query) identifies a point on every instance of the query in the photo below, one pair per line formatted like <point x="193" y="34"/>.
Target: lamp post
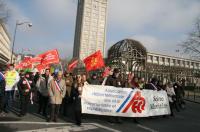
<point x="18" y="24"/>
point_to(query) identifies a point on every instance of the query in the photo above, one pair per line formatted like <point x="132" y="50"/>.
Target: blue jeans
<point x="8" y="99"/>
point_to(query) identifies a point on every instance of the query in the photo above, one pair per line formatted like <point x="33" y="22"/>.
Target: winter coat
<point x="42" y="85"/>
<point x="94" y="81"/>
<point x="56" y="95"/>
<point x="113" y="81"/>
<point x="69" y="82"/>
<point x="23" y="86"/>
<point x="76" y="95"/>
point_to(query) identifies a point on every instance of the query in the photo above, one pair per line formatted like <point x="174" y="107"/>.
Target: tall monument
<point x="90" y="32"/>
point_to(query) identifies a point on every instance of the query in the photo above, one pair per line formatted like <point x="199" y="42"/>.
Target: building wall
<point x="90" y="27"/>
<point x="172" y="61"/>
<point x="4" y="46"/>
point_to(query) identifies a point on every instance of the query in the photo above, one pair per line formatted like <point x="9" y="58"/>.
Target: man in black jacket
<point x="114" y="80"/>
<point x="26" y="85"/>
<point x="179" y="95"/>
<point x="94" y="80"/>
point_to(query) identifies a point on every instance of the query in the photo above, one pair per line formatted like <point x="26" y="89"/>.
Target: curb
<point x="192" y="101"/>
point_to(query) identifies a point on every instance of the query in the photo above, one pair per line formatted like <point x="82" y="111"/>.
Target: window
<point x="163" y="59"/>
<point x="168" y="60"/>
<point x="179" y="62"/>
<point x="183" y="63"/>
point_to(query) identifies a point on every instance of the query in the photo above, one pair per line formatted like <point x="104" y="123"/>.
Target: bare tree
<point x="4" y="12"/>
<point x="192" y="44"/>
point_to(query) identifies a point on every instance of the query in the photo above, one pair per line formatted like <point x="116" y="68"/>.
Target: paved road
<point x="184" y="121"/>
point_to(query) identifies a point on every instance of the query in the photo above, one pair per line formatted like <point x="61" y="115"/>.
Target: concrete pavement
<point x="184" y="121"/>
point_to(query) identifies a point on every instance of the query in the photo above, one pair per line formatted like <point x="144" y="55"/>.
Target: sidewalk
<point x="193" y="98"/>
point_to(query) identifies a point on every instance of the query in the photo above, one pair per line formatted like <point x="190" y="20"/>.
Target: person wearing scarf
<point x="25" y="86"/>
<point x="57" y="91"/>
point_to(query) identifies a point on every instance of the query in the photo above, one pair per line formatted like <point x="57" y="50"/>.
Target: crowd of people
<point x="54" y="92"/>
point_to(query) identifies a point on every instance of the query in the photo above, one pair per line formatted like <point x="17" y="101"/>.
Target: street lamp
<point x="18" y="24"/>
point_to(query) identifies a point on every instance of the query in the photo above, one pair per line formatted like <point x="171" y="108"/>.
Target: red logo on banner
<point x="137" y="103"/>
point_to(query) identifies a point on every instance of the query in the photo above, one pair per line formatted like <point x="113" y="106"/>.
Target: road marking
<point x="52" y="123"/>
<point x="147" y="128"/>
<point x="64" y="129"/>
<point x="37" y="123"/>
<point x="104" y="127"/>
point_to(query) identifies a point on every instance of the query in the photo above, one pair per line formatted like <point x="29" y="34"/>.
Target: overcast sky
<point x="158" y="24"/>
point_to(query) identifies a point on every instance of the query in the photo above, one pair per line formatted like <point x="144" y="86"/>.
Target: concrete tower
<point x="90" y="33"/>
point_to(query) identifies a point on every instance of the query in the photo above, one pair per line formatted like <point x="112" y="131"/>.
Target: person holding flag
<point x="57" y="91"/>
<point x="25" y="86"/>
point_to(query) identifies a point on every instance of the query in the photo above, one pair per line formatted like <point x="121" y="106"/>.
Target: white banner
<point x="126" y="102"/>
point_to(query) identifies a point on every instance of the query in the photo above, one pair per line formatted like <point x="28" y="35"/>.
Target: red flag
<point x="72" y="65"/>
<point x="37" y="59"/>
<point x="25" y="63"/>
<point x="41" y="67"/>
<point x="50" y="57"/>
<point x="94" y="61"/>
<point x="19" y="66"/>
<point x="106" y="72"/>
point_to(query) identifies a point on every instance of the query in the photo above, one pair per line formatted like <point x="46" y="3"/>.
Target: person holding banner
<point x="114" y="80"/>
<point x="84" y="79"/>
<point x="94" y="80"/>
<point x="57" y="91"/>
<point x="25" y="86"/>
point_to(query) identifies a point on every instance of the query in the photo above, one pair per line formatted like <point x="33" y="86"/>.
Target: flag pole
<point x="61" y="67"/>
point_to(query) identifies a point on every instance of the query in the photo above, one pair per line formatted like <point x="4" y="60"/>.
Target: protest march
<point x="94" y="92"/>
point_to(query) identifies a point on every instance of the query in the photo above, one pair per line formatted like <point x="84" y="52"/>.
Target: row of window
<point x="4" y="43"/>
<point x="173" y="62"/>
